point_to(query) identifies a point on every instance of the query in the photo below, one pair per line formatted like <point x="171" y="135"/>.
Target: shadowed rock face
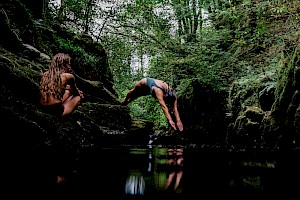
<point x="276" y="107"/>
<point x="20" y="85"/>
<point x="266" y="97"/>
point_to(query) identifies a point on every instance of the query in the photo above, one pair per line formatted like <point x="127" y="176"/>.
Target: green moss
<point x="244" y="92"/>
<point x="286" y="85"/>
<point x="255" y="114"/>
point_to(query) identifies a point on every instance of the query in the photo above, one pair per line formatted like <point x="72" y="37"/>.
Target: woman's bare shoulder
<point x="68" y="75"/>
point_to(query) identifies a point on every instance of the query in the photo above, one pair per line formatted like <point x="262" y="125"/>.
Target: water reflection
<point x="135" y="184"/>
<point x="176" y="172"/>
<point x="136" y="164"/>
<point x="153" y="171"/>
<point x="180" y="173"/>
<point x="175" y="168"/>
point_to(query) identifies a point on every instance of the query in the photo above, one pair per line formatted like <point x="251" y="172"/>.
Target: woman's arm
<point x="72" y="85"/>
<point x="160" y="97"/>
<point x="176" y="113"/>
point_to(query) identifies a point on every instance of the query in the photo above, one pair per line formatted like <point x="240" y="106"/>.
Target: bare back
<point x="65" y="77"/>
<point x="161" y="84"/>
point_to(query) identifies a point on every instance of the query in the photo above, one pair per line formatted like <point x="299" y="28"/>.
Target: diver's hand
<point x="179" y="125"/>
<point x="172" y="124"/>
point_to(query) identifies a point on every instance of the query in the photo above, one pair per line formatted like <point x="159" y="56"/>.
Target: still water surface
<point x="178" y="172"/>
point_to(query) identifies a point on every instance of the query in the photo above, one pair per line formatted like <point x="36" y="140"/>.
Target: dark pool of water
<point x="151" y="173"/>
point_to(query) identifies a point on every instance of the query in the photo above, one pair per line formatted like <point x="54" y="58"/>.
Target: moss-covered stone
<point x="246" y="132"/>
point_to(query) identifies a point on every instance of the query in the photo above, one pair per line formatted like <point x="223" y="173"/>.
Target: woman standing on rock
<point x="59" y="94"/>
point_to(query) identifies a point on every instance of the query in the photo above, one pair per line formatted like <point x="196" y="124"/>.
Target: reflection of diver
<point x="175" y="164"/>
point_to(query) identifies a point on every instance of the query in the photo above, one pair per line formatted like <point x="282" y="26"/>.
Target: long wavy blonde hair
<point x="51" y="83"/>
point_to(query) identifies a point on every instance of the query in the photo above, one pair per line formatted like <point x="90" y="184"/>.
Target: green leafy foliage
<point x="82" y="61"/>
